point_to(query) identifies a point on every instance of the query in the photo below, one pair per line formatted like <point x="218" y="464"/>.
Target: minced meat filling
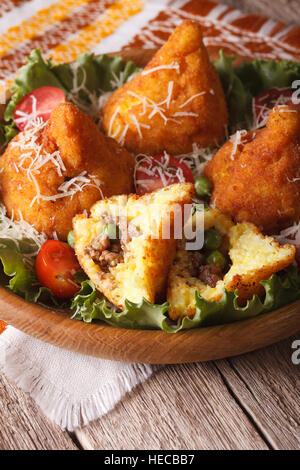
<point x="207" y="270"/>
<point x="105" y="253"/>
<point x="197" y="259"/>
<point x="209" y="263"/>
<point x="210" y="274"/>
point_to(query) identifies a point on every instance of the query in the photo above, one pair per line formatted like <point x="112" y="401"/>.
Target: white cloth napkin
<point x="71" y="389"/>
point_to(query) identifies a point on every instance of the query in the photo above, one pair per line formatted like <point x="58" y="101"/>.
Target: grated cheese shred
<point x="192" y="98"/>
<point x="18" y="230"/>
<point x="32" y="116"/>
<point x="197" y="158"/>
<point x="153" y="107"/>
<point x="237" y="139"/>
<point x="184" y="113"/>
<point x="172" y="65"/>
<point x="97" y="99"/>
<point x="34" y="157"/>
<point x="260" y="119"/>
<point x="289" y="235"/>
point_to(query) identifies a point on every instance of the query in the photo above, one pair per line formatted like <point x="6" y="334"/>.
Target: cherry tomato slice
<point x="267" y="100"/>
<point x="55" y="266"/>
<point x="162" y="170"/>
<point x="38" y="103"/>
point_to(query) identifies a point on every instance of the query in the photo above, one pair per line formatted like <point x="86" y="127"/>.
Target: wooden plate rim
<point x="149" y="346"/>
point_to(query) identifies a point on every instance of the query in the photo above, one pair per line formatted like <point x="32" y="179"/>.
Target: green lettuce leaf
<point x="247" y="80"/>
<point x="87" y="306"/>
<point x="238" y="97"/>
<point x="261" y="75"/>
<point x="18" y="277"/>
<point x="43" y="296"/>
<point x="98" y="74"/>
<point x="7" y="132"/>
<point x="280" y="290"/>
<point x="35" y="74"/>
<point x="104" y="74"/>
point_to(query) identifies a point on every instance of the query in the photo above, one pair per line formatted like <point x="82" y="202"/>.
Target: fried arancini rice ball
<point x="254" y="257"/>
<point x="139" y="268"/>
<point x="258" y="180"/>
<point x="53" y="171"/>
<point x="177" y="100"/>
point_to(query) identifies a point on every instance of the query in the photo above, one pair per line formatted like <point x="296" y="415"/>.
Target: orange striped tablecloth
<point x="62" y="29"/>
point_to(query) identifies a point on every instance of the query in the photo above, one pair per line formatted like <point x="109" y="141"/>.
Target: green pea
<point x="212" y="239"/>
<point x="199" y="208"/>
<point x="216" y="257"/>
<point x="70" y="238"/>
<point x="203" y="187"/>
<point x="112" y="231"/>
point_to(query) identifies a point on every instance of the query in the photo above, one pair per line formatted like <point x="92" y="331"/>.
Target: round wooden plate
<point x="148" y="346"/>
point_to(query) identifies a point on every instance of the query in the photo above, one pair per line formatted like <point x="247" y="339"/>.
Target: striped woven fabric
<point x="246" y="35"/>
<point x="62" y="29"/>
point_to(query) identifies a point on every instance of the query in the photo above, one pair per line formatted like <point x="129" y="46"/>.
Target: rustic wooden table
<point x="248" y="402"/>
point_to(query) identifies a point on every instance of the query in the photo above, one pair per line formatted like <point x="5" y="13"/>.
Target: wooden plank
<point x="23" y="426"/>
<point x="179" y="407"/>
<point x="267" y="385"/>
<point x="282" y="10"/>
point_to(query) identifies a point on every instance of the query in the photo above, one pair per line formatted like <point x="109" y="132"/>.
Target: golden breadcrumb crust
<point x="260" y="182"/>
<point x="142" y="128"/>
<point x="254" y="258"/>
<point x="82" y="148"/>
<point x="147" y="260"/>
